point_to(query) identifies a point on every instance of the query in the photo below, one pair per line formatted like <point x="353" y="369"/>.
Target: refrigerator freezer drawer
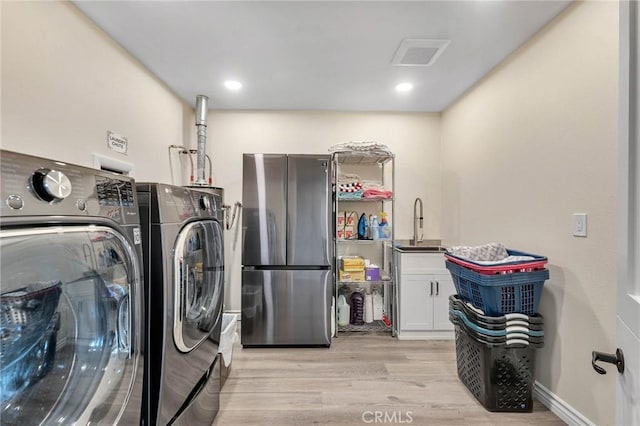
<point x="281" y="307"/>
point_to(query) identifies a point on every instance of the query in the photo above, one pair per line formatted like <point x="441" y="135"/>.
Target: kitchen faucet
<point x="415" y="240"/>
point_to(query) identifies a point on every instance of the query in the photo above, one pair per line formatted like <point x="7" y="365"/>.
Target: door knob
<point x="617" y="359"/>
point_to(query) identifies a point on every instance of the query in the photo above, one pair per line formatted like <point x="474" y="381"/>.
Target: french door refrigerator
<point x="287" y="250"/>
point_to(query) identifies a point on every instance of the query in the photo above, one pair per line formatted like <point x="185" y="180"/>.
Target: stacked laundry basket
<point x="497" y="326"/>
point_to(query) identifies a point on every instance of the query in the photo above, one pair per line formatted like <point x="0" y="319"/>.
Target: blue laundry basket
<point x="502" y="294"/>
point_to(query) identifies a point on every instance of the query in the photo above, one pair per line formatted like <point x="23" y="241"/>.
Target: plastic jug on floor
<point x="368" y="308"/>
<point x="344" y="311"/>
<point x="377" y="305"/>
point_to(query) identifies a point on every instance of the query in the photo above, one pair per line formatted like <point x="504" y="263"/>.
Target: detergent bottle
<point x="363" y="227"/>
<point x="344" y="311"/>
<point x="374" y="228"/>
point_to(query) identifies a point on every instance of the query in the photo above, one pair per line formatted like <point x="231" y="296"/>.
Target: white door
<point x="628" y="306"/>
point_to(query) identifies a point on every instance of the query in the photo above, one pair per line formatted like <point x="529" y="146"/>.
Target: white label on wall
<point x="117" y="142"/>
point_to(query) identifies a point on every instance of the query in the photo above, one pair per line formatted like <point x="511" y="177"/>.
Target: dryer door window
<point x="68" y="324"/>
<point x="199" y="275"/>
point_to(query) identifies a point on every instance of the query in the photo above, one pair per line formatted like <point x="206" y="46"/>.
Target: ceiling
<point x="318" y="55"/>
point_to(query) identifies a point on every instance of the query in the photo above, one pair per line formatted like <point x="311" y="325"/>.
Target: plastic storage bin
<point x="510" y="339"/>
<point x="535" y="330"/>
<point x="499" y="377"/>
<point x="497" y="322"/>
<point x="228" y="337"/>
<point x="503" y="268"/>
<point x="371" y="273"/>
<point x="500" y="294"/>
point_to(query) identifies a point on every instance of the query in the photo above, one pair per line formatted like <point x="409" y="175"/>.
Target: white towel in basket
<point x="491" y="252"/>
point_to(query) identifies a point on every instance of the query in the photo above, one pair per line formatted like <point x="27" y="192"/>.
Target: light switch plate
<point x="579" y="224"/>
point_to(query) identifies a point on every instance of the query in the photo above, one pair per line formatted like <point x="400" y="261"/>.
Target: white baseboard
<point x="425" y="336"/>
<point x="559" y="407"/>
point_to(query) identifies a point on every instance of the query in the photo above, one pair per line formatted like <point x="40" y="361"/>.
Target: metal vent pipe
<point x="201" y="125"/>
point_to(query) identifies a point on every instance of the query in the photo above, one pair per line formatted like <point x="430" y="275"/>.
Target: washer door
<point x="199" y="278"/>
<point x="69" y="324"/>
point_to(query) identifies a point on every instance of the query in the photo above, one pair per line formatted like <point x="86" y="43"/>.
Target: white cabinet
<point x="424" y="287"/>
<point x="424" y="304"/>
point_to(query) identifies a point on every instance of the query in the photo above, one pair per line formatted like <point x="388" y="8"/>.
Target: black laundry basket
<point x="499" y="376"/>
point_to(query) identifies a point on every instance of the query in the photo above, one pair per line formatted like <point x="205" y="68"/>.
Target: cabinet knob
<point x="431" y="282"/>
<point x="437" y="288"/>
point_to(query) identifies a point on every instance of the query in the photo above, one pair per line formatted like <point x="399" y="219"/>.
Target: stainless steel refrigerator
<point x="287" y="250"/>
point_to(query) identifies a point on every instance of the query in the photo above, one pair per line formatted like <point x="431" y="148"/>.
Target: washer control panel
<point x="114" y="192"/>
<point x="33" y="186"/>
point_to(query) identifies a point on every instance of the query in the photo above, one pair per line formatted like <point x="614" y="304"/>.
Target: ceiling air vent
<point x="418" y="53"/>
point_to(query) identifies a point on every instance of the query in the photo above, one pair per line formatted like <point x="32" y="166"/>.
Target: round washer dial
<point x="50" y="185"/>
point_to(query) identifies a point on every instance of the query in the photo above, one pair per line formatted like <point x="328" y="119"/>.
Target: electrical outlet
<point x="579" y="224"/>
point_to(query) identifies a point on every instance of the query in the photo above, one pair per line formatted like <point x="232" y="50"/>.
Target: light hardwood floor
<point x="360" y="377"/>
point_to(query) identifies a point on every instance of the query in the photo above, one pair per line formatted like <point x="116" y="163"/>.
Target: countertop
<point x="424" y="246"/>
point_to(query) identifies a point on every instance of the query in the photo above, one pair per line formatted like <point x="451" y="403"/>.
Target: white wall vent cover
<point x="418" y="53"/>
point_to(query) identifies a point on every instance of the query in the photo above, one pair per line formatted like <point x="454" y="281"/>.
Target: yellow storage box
<point x="351" y="263"/>
<point x="350" y="276"/>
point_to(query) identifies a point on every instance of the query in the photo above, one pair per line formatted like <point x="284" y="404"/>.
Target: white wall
<point x="527" y="147"/>
<point x="65" y="83"/>
<point x="414" y="138"/>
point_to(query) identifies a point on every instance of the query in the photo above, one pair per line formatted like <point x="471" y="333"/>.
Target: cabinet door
<point x="443" y="288"/>
<point x="416" y="302"/>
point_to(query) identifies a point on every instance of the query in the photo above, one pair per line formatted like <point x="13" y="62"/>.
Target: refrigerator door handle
<point x="328" y="198"/>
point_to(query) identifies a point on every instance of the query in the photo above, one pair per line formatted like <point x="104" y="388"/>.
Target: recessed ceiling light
<point x="404" y="87"/>
<point x="233" y="85"/>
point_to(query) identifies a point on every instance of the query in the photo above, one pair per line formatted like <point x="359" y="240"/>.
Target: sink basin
<point x="421" y="248"/>
<point x="429" y="246"/>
